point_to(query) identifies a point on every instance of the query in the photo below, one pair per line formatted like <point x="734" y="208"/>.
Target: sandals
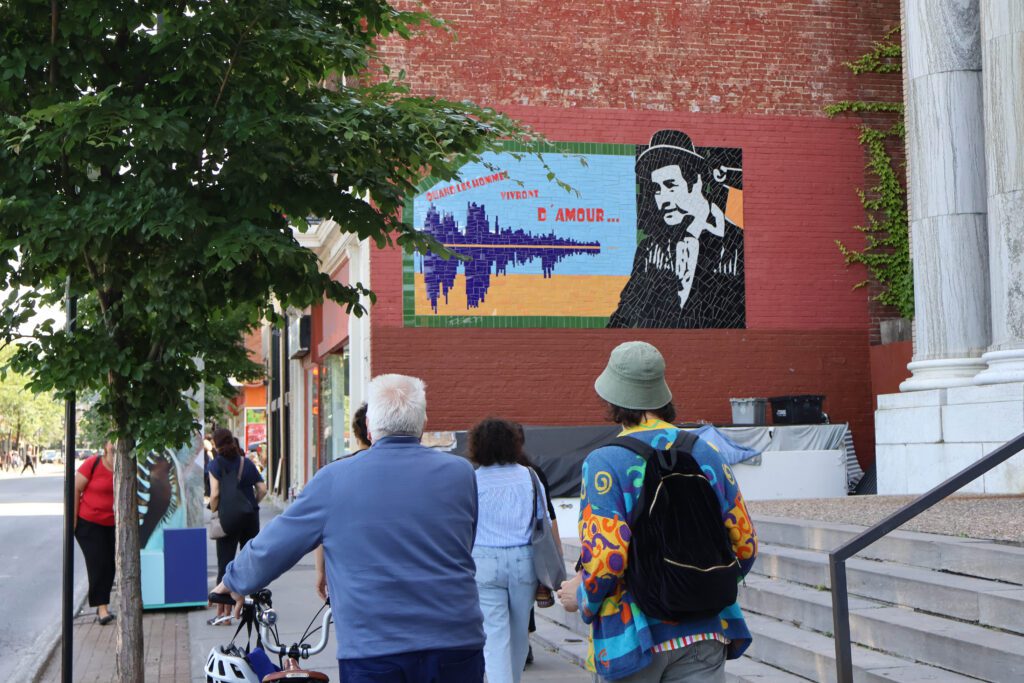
<point x="221" y="620"/>
<point x="107" y="619"/>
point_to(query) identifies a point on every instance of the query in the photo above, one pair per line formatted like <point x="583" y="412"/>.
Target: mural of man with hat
<point x="688" y="268"/>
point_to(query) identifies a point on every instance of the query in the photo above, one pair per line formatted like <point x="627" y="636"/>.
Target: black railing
<point x="838" y="557"/>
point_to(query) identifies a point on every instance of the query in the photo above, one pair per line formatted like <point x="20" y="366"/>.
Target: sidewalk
<point x="165" y="634"/>
<point x="178" y="641"/>
<point x="296" y="602"/>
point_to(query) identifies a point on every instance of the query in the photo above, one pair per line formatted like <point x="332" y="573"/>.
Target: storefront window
<point x="335" y="413"/>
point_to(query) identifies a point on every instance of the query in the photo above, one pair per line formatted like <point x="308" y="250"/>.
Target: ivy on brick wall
<point x="886" y="251"/>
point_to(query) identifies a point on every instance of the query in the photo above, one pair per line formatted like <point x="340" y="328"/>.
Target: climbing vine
<point x="886" y="252"/>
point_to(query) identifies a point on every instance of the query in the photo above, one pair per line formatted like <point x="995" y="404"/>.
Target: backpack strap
<point x="683" y="444"/>
<point x="641" y="448"/>
<point x="95" y="464"/>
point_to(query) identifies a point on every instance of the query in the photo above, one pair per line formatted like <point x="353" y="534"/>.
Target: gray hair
<point x="396" y="404"/>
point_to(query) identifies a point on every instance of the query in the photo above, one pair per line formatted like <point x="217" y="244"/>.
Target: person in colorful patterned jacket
<point x="626" y="644"/>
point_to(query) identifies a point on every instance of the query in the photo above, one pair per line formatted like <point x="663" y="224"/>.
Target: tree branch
<point x="220" y="91"/>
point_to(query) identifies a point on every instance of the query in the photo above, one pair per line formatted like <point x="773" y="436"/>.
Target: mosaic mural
<point x="651" y="236"/>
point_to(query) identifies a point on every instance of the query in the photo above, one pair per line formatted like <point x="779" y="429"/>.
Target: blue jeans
<point x="426" y="666"/>
<point x="508" y="585"/>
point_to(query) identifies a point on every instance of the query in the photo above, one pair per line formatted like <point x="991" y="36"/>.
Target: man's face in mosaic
<point x="675" y="198"/>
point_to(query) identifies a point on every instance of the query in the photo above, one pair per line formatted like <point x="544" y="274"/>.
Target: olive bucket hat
<point x="634" y="378"/>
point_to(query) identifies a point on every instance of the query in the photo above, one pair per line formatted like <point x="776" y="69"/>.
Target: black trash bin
<point x="805" y="409"/>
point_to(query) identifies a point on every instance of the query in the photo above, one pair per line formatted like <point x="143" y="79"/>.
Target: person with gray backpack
<point x="665" y="538"/>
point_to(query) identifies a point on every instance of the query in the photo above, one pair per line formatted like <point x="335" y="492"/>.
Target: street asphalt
<point x="31" y="529"/>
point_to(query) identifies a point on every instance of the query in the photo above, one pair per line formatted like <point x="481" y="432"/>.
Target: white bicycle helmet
<point x="228" y="666"/>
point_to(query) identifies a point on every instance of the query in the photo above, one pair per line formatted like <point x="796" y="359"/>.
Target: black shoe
<point x="107" y="619"/>
<point x="529" y="657"/>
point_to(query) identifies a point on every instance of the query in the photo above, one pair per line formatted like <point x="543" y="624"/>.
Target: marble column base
<point x="1003" y="366"/>
<point x="942" y="374"/>
<point x="925" y="437"/>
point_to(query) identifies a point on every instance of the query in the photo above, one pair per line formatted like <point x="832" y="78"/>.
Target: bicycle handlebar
<point x="221" y="599"/>
<point x="266" y="617"/>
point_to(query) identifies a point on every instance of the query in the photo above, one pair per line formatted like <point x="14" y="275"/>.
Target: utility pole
<point x="67" y="597"/>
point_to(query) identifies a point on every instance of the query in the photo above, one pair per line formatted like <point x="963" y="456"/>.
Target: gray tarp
<point x="560" y="451"/>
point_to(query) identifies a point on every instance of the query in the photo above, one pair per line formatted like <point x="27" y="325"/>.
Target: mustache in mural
<point x="159" y="493"/>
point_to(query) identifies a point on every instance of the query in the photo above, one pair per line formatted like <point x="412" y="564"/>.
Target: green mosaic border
<point x="409" y="317"/>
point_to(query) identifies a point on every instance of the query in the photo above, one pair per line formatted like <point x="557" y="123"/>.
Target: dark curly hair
<point x="359" y="425"/>
<point x="627" y="417"/>
<point x="494" y="441"/>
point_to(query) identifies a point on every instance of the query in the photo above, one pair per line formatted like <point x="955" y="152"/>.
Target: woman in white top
<point x="508" y="498"/>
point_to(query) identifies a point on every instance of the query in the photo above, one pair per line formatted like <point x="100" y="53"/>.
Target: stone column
<point x="1003" y="78"/>
<point x="946" y="186"/>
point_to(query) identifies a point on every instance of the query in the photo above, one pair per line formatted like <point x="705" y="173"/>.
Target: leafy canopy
<point x="155" y="153"/>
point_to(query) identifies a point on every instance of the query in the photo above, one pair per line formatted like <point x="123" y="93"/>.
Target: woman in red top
<point x="94" y="527"/>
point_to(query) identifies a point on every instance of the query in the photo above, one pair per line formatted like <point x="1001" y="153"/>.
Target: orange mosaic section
<point x="533" y="295"/>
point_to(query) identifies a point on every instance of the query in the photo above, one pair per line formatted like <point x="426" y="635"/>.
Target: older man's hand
<point x="567" y="593"/>
<point x="239" y="599"/>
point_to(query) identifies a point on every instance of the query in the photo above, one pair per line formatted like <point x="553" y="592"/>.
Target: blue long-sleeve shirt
<point x="397" y="524"/>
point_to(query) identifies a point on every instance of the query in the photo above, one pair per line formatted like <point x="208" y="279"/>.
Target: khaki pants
<point x="702" y="662"/>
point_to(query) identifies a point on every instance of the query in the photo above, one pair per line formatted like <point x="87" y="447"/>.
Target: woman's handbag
<point x="547" y="558"/>
<point x="214" y="528"/>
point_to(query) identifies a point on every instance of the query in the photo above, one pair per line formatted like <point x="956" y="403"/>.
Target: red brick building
<point x="746" y="82"/>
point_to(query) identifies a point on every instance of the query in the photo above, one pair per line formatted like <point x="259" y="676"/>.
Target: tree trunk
<point x="129" y="571"/>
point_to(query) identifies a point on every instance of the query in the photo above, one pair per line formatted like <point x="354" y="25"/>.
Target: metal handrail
<point x="838" y="557"/>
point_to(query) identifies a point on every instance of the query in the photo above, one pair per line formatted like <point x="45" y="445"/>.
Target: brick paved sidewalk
<point x="165" y="634"/>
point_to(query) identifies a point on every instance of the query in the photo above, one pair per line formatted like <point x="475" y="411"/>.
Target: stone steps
<point x="747" y="670"/>
<point x="988" y="603"/>
<point x="949" y="644"/>
<point x="968" y="557"/>
<point x="812" y="655"/>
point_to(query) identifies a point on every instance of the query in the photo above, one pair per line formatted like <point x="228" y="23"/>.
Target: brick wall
<point x="752" y="75"/>
<point x="755" y="57"/>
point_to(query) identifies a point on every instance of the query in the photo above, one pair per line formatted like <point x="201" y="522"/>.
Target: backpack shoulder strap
<point x="644" y="450"/>
<point x="95" y="464"/>
<point x="685" y="441"/>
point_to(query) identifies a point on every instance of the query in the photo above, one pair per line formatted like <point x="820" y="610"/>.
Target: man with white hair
<point x="397" y="523"/>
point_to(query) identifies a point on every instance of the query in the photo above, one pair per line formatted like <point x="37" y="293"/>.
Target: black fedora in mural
<point x="688" y="267"/>
<point x="666" y="146"/>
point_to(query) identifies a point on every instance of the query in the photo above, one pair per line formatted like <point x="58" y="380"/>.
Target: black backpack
<point x="681" y="564"/>
<point x="234" y="508"/>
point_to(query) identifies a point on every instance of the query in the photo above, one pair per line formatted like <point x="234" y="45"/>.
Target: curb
<point x="48" y="642"/>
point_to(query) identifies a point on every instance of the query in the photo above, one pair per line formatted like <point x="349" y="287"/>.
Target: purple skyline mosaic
<point x="486" y="247"/>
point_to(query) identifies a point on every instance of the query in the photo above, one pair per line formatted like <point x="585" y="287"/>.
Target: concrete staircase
<point x="923" y="607"/>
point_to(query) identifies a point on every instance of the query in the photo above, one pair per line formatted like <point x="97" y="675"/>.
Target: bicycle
<point x="231" y="664"/>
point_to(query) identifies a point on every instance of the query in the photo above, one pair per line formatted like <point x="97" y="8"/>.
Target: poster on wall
<point x="650" y="236"/>
<point x="255" y="426"/>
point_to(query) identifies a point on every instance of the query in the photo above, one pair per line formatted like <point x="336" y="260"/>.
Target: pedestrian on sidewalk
<point x="29" y="463"/>
<point x="94" y="528"/>
<point x="397" y="523"/>
<point x="363" y="441"/>
<point x="240" y="515"/>
<point x="545" y="598"/>
<point x="508" y="500"/>
<point x="634" y="645"/>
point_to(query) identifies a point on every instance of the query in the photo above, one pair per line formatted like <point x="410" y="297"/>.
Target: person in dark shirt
<point x="224" y="468"/>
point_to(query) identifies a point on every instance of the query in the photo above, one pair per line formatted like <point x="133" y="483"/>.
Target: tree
<point x="155" y="154"/>
<point x="26" y="417"/>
